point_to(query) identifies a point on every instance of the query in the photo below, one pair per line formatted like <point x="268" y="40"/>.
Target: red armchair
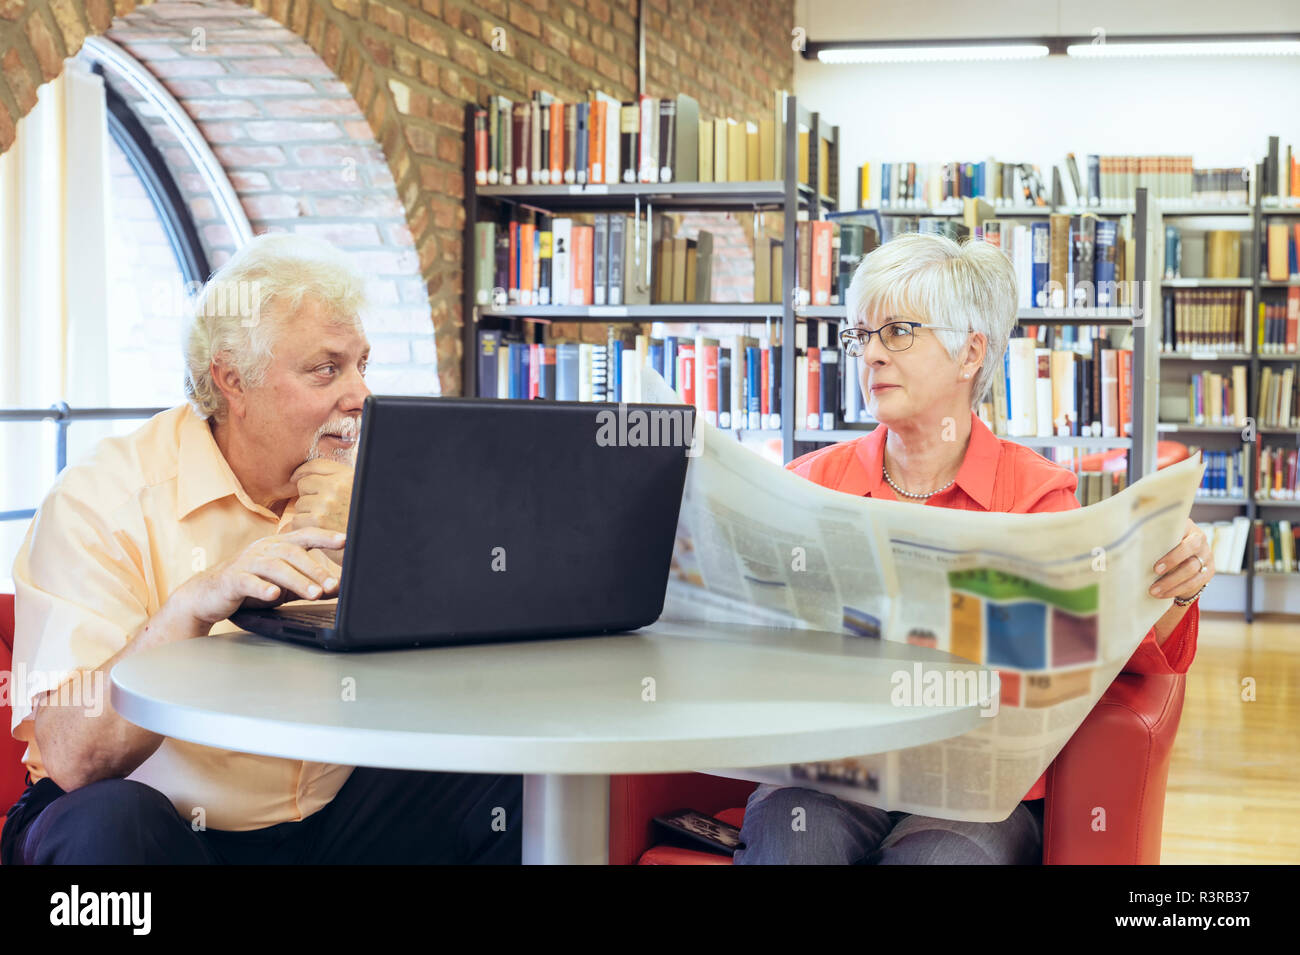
<point x="1118" y="760"/>
<point x="13" y="774"/>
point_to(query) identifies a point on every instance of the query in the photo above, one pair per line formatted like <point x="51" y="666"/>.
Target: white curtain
<point x="53" y="285"/>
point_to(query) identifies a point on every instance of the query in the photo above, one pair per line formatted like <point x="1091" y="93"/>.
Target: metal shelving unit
<point x="1254" y="282"/>
<point x="1141" y="450"/>
<point x="786" y="195"/>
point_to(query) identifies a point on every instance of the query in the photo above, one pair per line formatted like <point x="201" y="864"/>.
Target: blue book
<point x="754" y="386"/>
<point x="518" y="370"/>
<point x="580" y="149"/>
<point x="489" y="342"/>
<point x="566" y="372"/>
<point x="1104" y="261"/>
<point x="655" y="355"/>
<point x="1040" y="243"/>
<point x="670" y="361"/>
<point x="616" y="369"/>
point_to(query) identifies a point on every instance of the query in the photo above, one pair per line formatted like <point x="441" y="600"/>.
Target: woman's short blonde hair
<point x="931" y="279"/>
<point x="240" y="311"/>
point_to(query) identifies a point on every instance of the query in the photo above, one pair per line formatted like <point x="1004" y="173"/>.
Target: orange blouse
<point x="995" y="475"/>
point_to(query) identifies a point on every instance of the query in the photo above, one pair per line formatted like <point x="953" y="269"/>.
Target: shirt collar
<point x="975" y="477"/>
<point x="203" y="473"/>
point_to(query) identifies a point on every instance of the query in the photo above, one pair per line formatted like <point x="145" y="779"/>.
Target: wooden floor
<point x="1234" y="784"/>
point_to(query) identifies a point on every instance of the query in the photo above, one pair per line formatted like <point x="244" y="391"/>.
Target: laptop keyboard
<point x="311" y="616"/>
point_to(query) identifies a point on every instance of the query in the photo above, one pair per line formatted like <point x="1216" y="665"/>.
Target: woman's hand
<point x="1186" y="568"/>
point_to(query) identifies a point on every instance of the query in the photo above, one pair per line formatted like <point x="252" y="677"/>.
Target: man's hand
<point x="324" y="498"/>
<point x="268" y="572"/>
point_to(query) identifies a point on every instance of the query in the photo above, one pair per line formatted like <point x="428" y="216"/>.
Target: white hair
<point x="244" y="305"/>
<point x="930" y="278"/>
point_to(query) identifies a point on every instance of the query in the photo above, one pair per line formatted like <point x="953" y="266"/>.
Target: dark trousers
<point x="379" y="816"/>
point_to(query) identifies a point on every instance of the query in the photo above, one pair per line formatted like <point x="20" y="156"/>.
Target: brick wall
<point x="299" y="154"/>
<point x="412" y="66"/>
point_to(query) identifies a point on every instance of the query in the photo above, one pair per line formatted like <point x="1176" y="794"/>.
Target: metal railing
<point x="63" y="416"/>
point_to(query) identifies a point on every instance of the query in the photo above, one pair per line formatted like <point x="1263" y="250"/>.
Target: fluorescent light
<point x="1187" y="48"/>
<point x="930" y="54"/>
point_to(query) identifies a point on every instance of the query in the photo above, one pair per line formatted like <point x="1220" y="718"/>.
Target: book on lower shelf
<point x="1275" y="474"/>
<point x="1051" y="384"/>
<point x="1276" y="546"/>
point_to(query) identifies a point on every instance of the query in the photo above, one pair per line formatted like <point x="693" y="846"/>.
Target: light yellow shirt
<point x="112" y="540"/>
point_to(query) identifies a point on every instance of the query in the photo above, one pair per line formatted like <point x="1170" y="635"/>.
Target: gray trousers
<point x="831" y="831"/>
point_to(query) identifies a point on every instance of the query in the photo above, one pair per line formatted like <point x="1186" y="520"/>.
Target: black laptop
<point x="475" y="520"/>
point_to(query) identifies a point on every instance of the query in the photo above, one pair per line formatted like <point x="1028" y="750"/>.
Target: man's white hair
<point x="239" y="313"/>
<point x="931" y="279"/>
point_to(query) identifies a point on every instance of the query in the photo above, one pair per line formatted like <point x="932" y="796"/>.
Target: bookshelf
<point x="786" y="195"/>
<point x="1208" y="509"/>
<point x="1141" y="445"/>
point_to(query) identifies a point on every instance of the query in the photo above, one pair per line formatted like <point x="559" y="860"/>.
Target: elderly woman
<point x="929" y="322"/>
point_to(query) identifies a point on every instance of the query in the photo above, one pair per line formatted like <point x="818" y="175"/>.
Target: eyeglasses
<point x="896" y="336"/>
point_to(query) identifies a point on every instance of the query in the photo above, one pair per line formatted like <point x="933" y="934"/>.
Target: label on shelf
<point x="596" y="190"/>
<point x="614" y="311"/>
<point x="1207" y="355"/>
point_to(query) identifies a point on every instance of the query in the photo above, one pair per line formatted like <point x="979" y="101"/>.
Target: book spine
<point x="617" y="240"/>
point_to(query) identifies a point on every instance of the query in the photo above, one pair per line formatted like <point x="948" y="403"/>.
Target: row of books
<point x="1103" y="179"/>
<point x="1076" y="261"/>
<point x="602" y="140"/>
<point x="1197" y="320"/>
<point x="1225" y="474"/>
<point x="1281" y="253"/>
<point x="1275" y="476"/>
<point x="1096" y="486"/>
<point x="1277" y="328"/>
<point x="1273" y="545"/>
<point x="1210" y="399"/>
<point x="1276" y="544"/>
<point x="535" y="259"/>
<point x="1281" y="171"/>
<point x="1279" y="397"/>
<point x="735" y="381"/>
<point x="1202" y="253"/>
<point x="1043" y="391"/>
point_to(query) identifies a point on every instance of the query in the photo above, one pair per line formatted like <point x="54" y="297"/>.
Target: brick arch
<point x="411" y="65"/>
<point x="41" y="34"/>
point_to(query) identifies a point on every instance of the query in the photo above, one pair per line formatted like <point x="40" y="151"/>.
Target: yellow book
<point x="706" y="150"/>
<point x="692" y="260"/>
<point x="736" y="161"/>
<point x="824" y="168"/>
<point x="1278" y="268"/>
<point x="803" y="155"/>
<point x="766" y="149"/>
<point x="720" y="144"/>
<point x="866" y="186"/>
<point x="751" y="152"/>
<point x="1239" y="395"/>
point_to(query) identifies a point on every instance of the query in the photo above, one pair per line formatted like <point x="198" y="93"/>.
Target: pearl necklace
<point x="909" y="493"/>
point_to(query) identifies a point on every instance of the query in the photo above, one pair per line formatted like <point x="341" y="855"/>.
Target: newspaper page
<point x="1056" y="603"/>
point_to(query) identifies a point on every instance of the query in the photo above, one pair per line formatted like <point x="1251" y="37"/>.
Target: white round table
<point x="565" y="713"/>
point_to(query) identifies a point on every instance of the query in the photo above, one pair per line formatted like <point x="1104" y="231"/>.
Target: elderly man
<point x="239" y="497"/>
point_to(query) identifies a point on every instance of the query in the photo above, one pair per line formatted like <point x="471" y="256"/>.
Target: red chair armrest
<point x="634" y="801"/>
<point x="1106" y="788"/>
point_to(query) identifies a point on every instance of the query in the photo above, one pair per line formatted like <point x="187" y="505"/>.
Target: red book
<point x="814" y="396"/>
<point x="821" y="262"/>
<point x="764" y="388"/>
<point x="526" y="230"/>
<point x="710" y="397"/>
<point x="1292" y="316"/>
<point x="582" y="244"/>
<point x="480" y="147"/>
<point x="686" y="371"/>
<point x="595" y="127"/>
<point x="1125" y="393"/>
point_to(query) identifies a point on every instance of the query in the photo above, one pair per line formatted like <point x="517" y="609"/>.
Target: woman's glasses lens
<point x="896" y="336"/>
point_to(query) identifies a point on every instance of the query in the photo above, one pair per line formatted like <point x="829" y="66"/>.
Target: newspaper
<point x="1056" y="603"/>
